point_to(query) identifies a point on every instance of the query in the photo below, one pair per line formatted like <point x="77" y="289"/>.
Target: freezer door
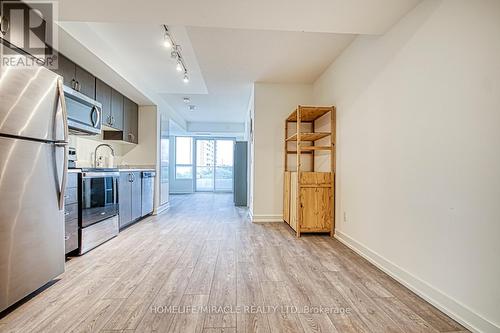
<point x="31" y="224"/>
<point x="31" y="106"/>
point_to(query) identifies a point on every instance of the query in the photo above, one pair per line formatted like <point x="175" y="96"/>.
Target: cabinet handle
<point x="112" y="120"/>
<point x="78" y="86"/>
<point x="66" y="238"/>
<point x="4" y="25"/>
<point x="131" y="136"/>
<point x="73" y="84"/>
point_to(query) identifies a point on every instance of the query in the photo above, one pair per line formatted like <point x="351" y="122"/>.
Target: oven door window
<point x="99" y="199"/>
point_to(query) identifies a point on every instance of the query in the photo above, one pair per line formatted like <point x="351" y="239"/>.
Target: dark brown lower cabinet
<point x="129" y="196"/>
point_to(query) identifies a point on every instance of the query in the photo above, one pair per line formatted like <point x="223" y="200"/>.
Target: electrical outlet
<point x="345" y="217"/>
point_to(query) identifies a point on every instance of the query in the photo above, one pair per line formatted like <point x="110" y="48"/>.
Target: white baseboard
<point x="434" y="296"/>
<point x="264" y="218"/>
<point x="162" y="209"/>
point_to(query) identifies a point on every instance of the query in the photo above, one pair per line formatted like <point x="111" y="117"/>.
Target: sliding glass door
<point x="214" y="165"/>
<point x="205" y="165"/>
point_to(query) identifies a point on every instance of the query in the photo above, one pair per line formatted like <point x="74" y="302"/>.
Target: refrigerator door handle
<point x="60" y="88"/>
<point x="62" y="191"/>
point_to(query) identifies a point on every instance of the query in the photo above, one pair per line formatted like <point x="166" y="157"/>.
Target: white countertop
<point x="135" y="169"/>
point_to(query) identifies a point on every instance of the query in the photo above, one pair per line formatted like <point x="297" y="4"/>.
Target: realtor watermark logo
<point x="247" y="309"/>
<point x="29" y="34"/>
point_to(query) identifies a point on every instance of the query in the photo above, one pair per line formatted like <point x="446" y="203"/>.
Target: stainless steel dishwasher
<point x="148" y="186"/>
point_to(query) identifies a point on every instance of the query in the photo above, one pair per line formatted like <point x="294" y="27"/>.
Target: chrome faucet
<point x="102" y="145"/>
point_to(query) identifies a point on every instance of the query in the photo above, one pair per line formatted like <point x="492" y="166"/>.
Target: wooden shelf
<point x="314" y="148"/>
<point x="309" y="113"/>
<point x="309" y="136"/>
<point x="308" y="196"/>
<point x="295" y="152"/>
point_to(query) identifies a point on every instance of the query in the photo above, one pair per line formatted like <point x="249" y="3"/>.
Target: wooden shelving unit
<point x="308" y="203"/>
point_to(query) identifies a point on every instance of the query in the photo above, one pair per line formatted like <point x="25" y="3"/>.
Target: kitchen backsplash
<point x="85" y="148"/>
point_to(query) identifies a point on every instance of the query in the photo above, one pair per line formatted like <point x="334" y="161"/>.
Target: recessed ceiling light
<point x="186" y="100"/>
<point x="192" y="107"/>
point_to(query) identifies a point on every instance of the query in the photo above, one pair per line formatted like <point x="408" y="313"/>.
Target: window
<point x="183" y="157"/>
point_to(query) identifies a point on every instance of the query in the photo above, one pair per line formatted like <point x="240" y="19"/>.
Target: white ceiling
<point x="334" y="16"/>
<point x="227" y="44"/>
<point x="231" y="60"/>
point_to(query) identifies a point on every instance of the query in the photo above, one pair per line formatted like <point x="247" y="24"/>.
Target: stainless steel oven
<point x="99" y="196"/>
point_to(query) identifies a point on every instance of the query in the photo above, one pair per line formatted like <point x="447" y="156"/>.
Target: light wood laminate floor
<point x="203" y="267"/>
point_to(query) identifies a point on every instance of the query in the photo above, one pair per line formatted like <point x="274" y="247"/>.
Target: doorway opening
<point x="214" y="165"/>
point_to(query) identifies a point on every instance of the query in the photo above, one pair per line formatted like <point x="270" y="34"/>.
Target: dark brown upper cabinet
<point x="85" y="82"/>
<point x="117" y="118"/>
<point x="76" y="77"/>
<point x="130" y="131"/>
<point x="103" y="96"/>
<point x="112" y="105"/>
<point x="66" y="68"/>
<point x="130" y="121"/>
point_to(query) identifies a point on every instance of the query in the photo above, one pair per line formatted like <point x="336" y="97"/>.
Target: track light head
<point x="167" y="42"/>
<point x="186" y="78"/>
<point x="179" y="66"/>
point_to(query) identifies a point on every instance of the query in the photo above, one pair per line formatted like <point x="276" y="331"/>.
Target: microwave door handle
<point x="98" y="116"/>
<point x="64" y="144"/>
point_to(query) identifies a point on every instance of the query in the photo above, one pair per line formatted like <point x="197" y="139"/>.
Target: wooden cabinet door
<point x="66" y="68"/>
<point x="293" y="200"/>
<point x="316" y="209"/>
<point x="130" y="121"/>
<point x="71" y="235"/>
<point x="116" y="110"/>
<point x="134" y="123"/>
<point x="286" y="197"/>
<point x="85" y="82"/>
<point x="103" y="96"/>
<point x="136" y="195"/>
<point x="125" y="198"/>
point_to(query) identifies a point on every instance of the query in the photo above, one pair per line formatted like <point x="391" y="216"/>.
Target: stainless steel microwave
<point x="84" y="113"/>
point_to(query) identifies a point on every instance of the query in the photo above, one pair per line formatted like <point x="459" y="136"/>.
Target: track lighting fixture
<point x="169" y="42"/>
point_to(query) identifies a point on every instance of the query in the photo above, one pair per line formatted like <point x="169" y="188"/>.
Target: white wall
<point x="272" y="104"/>
<point x="418" y="153"/>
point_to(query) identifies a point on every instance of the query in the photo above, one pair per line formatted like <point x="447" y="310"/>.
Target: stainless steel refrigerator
<point x="33" y="171"/>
